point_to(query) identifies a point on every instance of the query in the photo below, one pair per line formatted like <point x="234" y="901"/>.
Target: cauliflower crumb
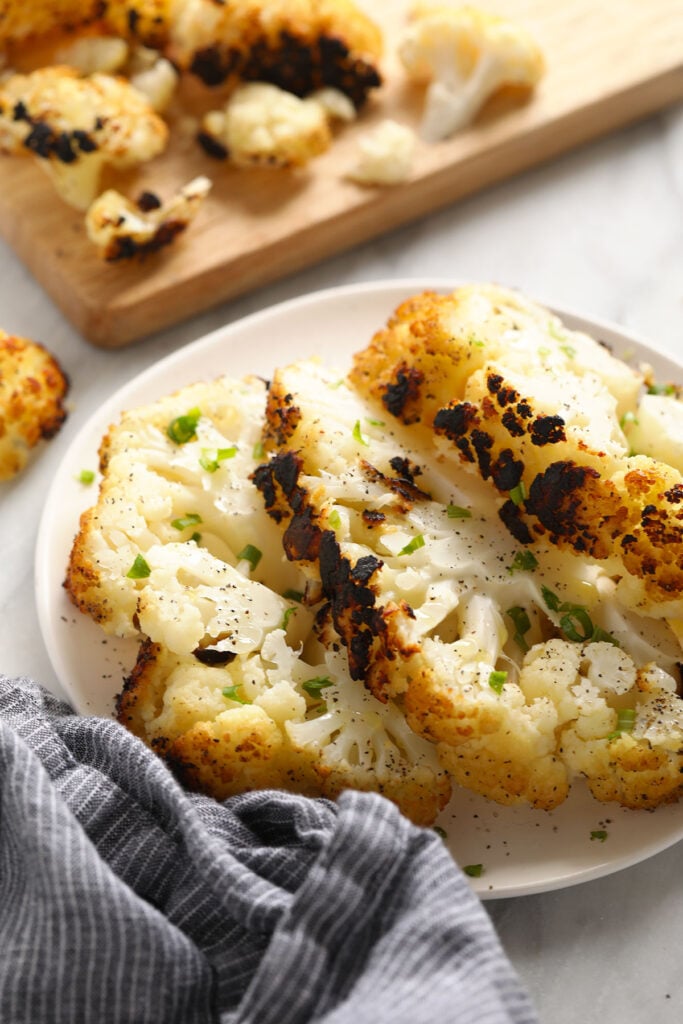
<point x="122" y="229"/>
<point x="463" y="56"/>
<point x="385" y="155"/>
<point x="157" y="83"/>
<point x="262" y="124"/>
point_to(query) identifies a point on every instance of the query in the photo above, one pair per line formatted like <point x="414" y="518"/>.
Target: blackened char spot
<point x="555" y="496"/>
<point x="211" y="146"/>
<point x="406" y="388"/>
<point x="147" y="201"/>
<point x="512" y="424"/>
<point x="372" y="518"/>
<point x="511" y="515"/>
<point x="455" y="420"/>
<point x="365" y="567"/>
<point x="506" y="471"/>
<point x="547" y="430"/>
<point x="40" y="140"/>
<point x="405" y="469"/>
<point x="301" y="540"/>
<point x="212" y="656"/>
<point x="482" y="444"/>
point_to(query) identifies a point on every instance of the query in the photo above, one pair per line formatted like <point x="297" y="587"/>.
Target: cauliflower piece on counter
<point x="463" y="56"/>
<point x="122" y="229"/>
<point x="504" y="390"/>
<point x="32" y="391"/>
<point x="76" y="126"/>
<point x="273" y="719"/>
<point x="263" y="124"/>
<point x="434" y="602"/>
<point x="385" y="155"/>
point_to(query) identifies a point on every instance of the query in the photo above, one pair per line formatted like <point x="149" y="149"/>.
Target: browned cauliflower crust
<point x="231" y="685"/>
<point x="32" y="391"/>
<point x="20" y="21"/>
<point x="76" y="126"/>
<point x="276" y="736"/>
<point x="511" y="394"/>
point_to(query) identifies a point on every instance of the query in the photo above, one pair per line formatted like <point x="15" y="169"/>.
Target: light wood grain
<point x="608" y="64"/>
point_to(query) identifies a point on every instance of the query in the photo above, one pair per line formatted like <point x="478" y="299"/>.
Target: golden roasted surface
<point x="231" y="685"/>
<point x="76" y="126"/>
<point x="32" y="391"/>
<point x="300" y="45"/>
<point x="509" y="393"/>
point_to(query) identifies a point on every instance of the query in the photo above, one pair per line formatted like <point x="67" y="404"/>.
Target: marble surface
<point x="600" y="232"/>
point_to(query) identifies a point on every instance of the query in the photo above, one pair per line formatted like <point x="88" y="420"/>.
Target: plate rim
<point x="394" y="290"/>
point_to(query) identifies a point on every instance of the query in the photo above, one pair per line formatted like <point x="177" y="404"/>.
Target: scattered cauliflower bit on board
<point x="264" y="125"/>
<point x="32" y="391"/>
<point x="122" y="229"/>
<point x="76" y="126"/>
<point x="385" y="155"/>
<point x="463" y="56"/>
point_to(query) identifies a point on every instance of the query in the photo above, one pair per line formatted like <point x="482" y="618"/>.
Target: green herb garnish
<point x="576" y="623"/>
<point x="358" y="434"/>
<point x="552" y="601"/>
<point x="139" y="570"/>
<point x="231" y="693"/>
<point x="334" y="519"/>
<point x="522" y="625"/>
<point x="474" y="870"/>
<point x="196" y="537"/>
<point x="184" y="428"/>
<point x="250" y="554"/>
<point x="287" y="616"/>
<point x="568" y="350"/>
<point x="440" y="831"/>
<point x="661" y="389"/>
<point x="86" y="476"/>
<point x="600" y="834"/>
<point x="458" y="512"/>
<point x="497" y="680"/>
<point x="626" y="719"/>
<point x="518" y="493"/>
<point x="211" y="458"/>
<point x="413" y="545"/>
<point x="524" y="561"/>
<point x="258" y="451"/>
<point x="294" y="595"/>
<point x="315" y="685"/>
<point x="191" y="519"/>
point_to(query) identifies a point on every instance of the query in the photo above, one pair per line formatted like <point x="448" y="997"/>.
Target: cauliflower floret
<point x="157" y="83"/>
<point x="273" y="719"/>
<point x="76" y="126"/>
<point x="177" y="515"/>
<point x="32" y="391"/>
<point x="122" y="229"/>
<point x="464" y="56"/>
<point x="262" y="124"/>
<point x="655" y="428"/>
<point x="385" y="155"/>
<point x="92" y="53"/>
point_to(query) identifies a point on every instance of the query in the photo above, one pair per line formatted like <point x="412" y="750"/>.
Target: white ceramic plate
<point x="521" y="851"/>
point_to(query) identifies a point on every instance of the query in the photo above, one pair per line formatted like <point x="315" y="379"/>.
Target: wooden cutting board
<point x="609" y="63"/>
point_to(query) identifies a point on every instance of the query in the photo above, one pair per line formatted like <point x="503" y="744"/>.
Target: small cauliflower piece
<point x="264" y="125"/>
<point x="275" y="719"/>
<point x="90" y="54"/>
<point x="76" y="126"/>
<point x="385" y="155"/>
<point x="157" y="83"/>
<point x="655" y="428"/>
<point x="463" y="56"/>
<point x="32" y="391"/>
<point x="122" y="229"/>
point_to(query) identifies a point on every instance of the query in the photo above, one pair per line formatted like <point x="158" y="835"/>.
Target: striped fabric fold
<point x="125" y="899"/>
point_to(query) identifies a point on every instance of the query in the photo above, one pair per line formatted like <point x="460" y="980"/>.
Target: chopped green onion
<point x="543" y="352"/>
<point x="358" y="435"/>
<point x="375" y="423"/>
<point x="458" y="512"/>
<point x="497" y="680"/>
<point x="522" y="626"/>
<point x="211" y="458"/>
<point x="661" y="389"/>
<point x="626" y="719"/>
<point x="231" y="693"/>
<point x="577" y="625"/>
<point x="474" y="340"/>
<point x="524" y="561"/>
<point x="184" y="428"/>
<point x="556" y="332"/>
<point x="518" y="493"/>
<point x="602" y="634"/>
<point x="139" y="570"/>
<point x="294" y="595"/>
<point x="334" y="519"/>
<point x="628" y="417"/>
<point x="287" y="616"/>
<point x="413" y="545"/>
<point x="552" y="601"/>
<point x="250" y="554"/>
<point x="440" y="831"/>
<point x="474" y="870"/>
<point x="258" y="451"/>
<point x="600" y="834"/>
<point x="191" y="519"/>
<point x="86" y="476"/>
<point x="196" y="537"/>
<point x="568" y="350"/>
<point x="315" y="685"/>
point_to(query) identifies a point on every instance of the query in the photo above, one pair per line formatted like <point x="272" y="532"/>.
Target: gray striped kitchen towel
<point x="125" y="899"/>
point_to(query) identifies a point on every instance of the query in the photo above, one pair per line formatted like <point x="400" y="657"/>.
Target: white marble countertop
<point x="598" y="232"/>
